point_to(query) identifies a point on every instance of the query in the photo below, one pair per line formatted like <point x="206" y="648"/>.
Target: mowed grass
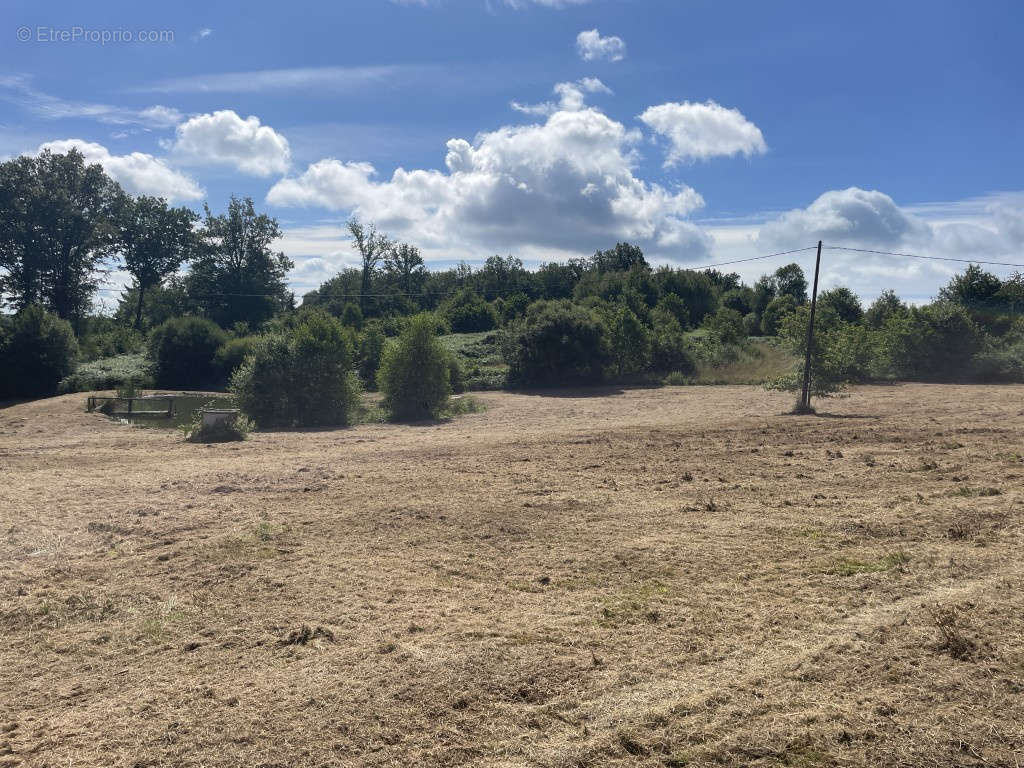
<point x="683" y="576"/>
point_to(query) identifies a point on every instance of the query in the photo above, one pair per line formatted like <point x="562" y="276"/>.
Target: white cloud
<point x="846" y="217"/>
<point x="19" y="89"/>
<point x="202" y="34"/>
<point x="320" y="79"/>
<point x="137" y="172"/>
<point x="567" y="184"/>
<point x="224" y="138"/>
<point x="701" y="131"/>
<point x="592" y="47"/>
<point x="988" y="229"/>
<point x="571" y="97"/>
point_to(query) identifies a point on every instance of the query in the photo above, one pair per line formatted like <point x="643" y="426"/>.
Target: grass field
<point x="671" y="577"/>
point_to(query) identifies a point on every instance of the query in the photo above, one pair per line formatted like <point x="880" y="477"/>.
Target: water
<point x="185" y="407"/>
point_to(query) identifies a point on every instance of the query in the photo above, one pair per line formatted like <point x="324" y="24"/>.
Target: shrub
<point x="935" y="342"/>
<point x="302" y="377"/>
<point x="557" y="343"/>
<point x="109" y="373"/>
<point x="352" y="316"/>
<point x="726" y="326"/>
<point x="37" y="350"/>
<point x="371" y="349"/>
<point x="183" y="350"/>
<point x="232" y="354"/>
<point x="778" y="309"/>
<point x="467" y="312"/>
<point x="674" y="306"/>
<point x="669" y="348"/>
<point x="415" y="373"/>
<point x="630" y="342"/>
<point x="110" y="343"/>
<point x="1001" y="364"/>
<point x="222" y="432"/>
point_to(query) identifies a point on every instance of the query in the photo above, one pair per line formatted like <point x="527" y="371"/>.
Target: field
<point x="668" y="577"/>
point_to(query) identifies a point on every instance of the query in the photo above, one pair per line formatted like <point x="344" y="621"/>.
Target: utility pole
<point x="805" y="399"/>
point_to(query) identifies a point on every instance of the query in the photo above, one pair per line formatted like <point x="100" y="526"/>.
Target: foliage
<point x="37" y="350"/>
<point x="235" y="275"/>
<point x="109" y="373"/>
<point x="669" y="348"/>
<point x="352" y="316"/>
<point x="778" y="309"/>
<point x="372" y="247"/>
<point x="113" y="340"/>
<point x="415" y="372"/>
<point x="843" y="302"/>
<point x="371" y="350"/>
<point x="300" y="377"/>
<point x="885" y="306"/>
<point x="936" y="342"/>
<point x="56" y="229"/>
<point x="726" y="326"/>
<point x="183" y="352"/>
<point x="467" y="312"/>
<point x="226" y="431"/>
<point x="232" y="354"/>
<point x="154" y="241"/>
<point x="557" y="343"/>
<point x="630" y="342"/>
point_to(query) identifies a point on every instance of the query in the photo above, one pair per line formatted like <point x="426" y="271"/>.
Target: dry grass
<point x="681" y="576"/>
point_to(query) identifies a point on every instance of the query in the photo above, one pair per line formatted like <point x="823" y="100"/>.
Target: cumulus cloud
<point x="702" y="131"/>
<point x="565" y="184"/>
<point x="137" y="172"/>
<point x="571" y="97"/>
<point x="851" y="216"/>
<point x="224" y="138"/>
<point x="592" y="47"/>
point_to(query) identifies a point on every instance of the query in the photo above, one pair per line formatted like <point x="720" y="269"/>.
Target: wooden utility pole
<point x="805" y="399"/>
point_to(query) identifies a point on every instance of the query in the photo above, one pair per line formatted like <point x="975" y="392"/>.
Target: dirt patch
<point x="681" y="576"/>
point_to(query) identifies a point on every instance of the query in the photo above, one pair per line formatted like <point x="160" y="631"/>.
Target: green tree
<point x="372" y="247"/>
<point x="183" y="351"/>
<point x="555" y="344"/>
<point x="404" y="268"/>
<point x="37" y="350"/>
<point x="56" y="229"/>
<point x="726" y="326"/>
<point x="887" y="305"/>
<point x="237" y="276"/>
<point x="467" y="312"/>
<point x="630" y="342"/>
<point x="843" y="302"/>
<point x="415" y="372"/>
<point x="778" y="309"/>
<point x="154" y="240"/>
<point x="301" y="376"/>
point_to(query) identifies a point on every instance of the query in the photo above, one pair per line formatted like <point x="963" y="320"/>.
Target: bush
<point x="371" y="349"/>
<point x="232" y="354"/>
<point x="630" y="342"/>
<point x="302" y="377"/>
<point x="37" y="350"/>
<point x="467" y="312"/>
<point x="936" y="342"/>
<point x="110" y="343"/>
<point x="726" y="326"/>
<point x="109" y="373"/>
<point x="669" y="348"/>
<point x="183" y="351"/>
<point x="778" y="309"/>
<point x="557" y="343"/>
<point x="352" y="316"/>
<point x="1004" y="364"/>
<point x="222" y="432"/>
<point x="415" y="372"/>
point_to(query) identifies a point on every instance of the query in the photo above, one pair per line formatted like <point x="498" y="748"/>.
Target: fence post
<point x="805" y="399"/>
<point x="130" y="399"/>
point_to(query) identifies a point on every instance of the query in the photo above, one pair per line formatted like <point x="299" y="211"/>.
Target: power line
<point x="919" y="256"/>
<point x="753" y="258"/>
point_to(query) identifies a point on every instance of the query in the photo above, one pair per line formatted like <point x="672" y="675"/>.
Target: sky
<point x="703" y="131"/>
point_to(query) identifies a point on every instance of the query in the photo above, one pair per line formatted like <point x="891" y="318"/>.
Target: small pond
<point x="151" y="410"/>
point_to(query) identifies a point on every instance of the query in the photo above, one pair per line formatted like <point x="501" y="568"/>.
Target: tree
<point x="557" y="343"/>
<point x="236" y="276"/>
<point x="183" y="351"/>
<point x="37" y="350"/>
<point x="844" y="302"/>
<point x="885" y="306"/>
<point x="778" y="309"/>
<point x="415" y="372"/>
<point x="975" y="289"/>
<point x="790" y="281"/>
<point x="630" y="342"/>
<point x="404" y="268"/>
<point x="56" y="228"/>
<point x="372" y="246"/>
<point x="467" y="312"/>
<point x="301" y="376"/>
<point x="619" y="259"/>
<point x="726" y="326"/>
<point x="154" y="240"/>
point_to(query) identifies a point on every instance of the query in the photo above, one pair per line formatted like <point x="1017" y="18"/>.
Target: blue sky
<point x="705" y="131"/>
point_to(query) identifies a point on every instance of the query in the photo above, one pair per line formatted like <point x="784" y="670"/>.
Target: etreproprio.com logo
<point x="106" y="36"/>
